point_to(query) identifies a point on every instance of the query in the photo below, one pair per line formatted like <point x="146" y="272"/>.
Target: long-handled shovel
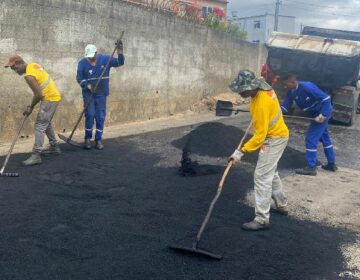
<point x="226" y="108"/>
<point x="69" y="139"/>
<point x="195" y="249"/>
<point x="7" y="174"/>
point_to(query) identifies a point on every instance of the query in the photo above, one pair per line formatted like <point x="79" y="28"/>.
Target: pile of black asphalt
<point x="111" y="214"/>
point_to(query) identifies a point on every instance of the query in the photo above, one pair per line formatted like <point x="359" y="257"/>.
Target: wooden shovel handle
<point x="219" y="190"/>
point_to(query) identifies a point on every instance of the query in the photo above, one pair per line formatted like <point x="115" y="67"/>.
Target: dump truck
<point x="328" y="58"/>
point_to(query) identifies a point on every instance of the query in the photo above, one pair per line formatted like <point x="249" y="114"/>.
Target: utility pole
<point x="277" y="7"/>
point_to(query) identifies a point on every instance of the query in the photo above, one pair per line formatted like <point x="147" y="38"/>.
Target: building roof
<point x="263" y="15"/>
<point x="218" y="1"/>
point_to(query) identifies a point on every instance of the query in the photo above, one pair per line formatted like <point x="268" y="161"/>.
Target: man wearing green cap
<point x="270" y="136"/>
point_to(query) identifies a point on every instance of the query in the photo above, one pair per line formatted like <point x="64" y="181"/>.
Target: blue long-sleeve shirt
<point x="309" y="98"/>
<point x="88" y="74"/>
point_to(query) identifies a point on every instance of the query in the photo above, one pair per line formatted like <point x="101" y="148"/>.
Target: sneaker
<point x="280" y="210"/>
<point x="307" y="171"/>
<point x="52" y="150"/>
<point x="254" y="226"/>
<point x="87" y="144"/>
<point x="330" y="167"/>
<point x="99" y="145"/>
<point x="34" y="159"/>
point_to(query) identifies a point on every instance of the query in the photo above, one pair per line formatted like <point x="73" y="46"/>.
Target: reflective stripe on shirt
<point x="316" y="103"/>
<point x="284" y="108"/>
<point x="93" y="79"/>
<point x="103" y="78"/>
<point x="275" y="120"/>
<point x="44" y="85"/>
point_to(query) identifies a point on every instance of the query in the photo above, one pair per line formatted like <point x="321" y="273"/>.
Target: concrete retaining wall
<point x="170" y="63"/>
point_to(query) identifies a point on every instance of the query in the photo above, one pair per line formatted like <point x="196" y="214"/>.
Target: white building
<point x="259" y="28"/>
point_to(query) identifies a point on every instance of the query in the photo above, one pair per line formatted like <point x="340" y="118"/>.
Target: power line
<point x="249" y="8"/>
<point x="314" y="5"/>
<point x="320" y="12"/>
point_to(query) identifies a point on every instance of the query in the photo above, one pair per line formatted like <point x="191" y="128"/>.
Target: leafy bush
<point x="214" y="22"/>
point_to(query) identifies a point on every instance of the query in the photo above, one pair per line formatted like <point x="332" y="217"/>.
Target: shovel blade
<point x="223" y="112"/>
<point x="70" y="141"/>
<point x="196" y="252"/>
<point x="224" y="108"/>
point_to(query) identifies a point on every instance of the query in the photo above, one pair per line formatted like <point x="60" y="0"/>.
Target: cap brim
<point x="264" y="85"/>
<point x="90" y="54"/>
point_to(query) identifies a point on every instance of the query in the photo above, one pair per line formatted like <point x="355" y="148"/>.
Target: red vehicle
<point x="269" y="75"/>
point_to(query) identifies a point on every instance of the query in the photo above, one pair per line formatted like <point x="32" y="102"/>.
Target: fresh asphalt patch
<point x="111" y="215"/>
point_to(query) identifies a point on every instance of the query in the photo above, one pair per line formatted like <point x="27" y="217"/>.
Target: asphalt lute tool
<point x="194" y="249"/>
<point x="11" y="174"/>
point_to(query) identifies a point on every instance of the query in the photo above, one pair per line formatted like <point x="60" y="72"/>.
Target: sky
<point x="335" y="14"/>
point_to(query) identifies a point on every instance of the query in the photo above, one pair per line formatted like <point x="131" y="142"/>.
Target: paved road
<point x="111" y="214"/>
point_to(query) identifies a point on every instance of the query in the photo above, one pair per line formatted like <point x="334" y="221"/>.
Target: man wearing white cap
<point x="89" y="70"/>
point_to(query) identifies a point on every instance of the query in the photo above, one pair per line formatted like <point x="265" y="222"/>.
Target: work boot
<point x="255" y="225"/>
<point x="32" y="160"/>
<point x="330" y="167"/>
<point x="279" y="210"/>
<point x="307" y="171"/>
<point x="52" y="150"/>
<point x="87" y="144"/>
<point x="99" y="145"/>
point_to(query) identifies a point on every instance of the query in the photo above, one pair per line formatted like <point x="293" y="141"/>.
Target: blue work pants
<point x="96" y="110"/>
<point x="318" y="132"/>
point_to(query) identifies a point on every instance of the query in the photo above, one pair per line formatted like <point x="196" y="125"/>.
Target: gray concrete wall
<point x="170" y="63"/>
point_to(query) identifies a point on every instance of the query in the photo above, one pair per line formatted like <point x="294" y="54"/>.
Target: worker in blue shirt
<point x="88" y="71"/>
<point x="317" y="104"/>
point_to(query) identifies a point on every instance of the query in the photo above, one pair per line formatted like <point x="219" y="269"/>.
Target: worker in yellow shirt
<point x="270" y="136"/>
<point x="45" y="92"/>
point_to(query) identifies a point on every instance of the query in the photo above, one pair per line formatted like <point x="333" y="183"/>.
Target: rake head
<point x="195" y="251"/>
<point x="70" y="141"/>
<point x="9" y="174"/>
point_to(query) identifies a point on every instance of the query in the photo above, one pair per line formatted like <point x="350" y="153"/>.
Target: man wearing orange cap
<point x="45" y="92"/>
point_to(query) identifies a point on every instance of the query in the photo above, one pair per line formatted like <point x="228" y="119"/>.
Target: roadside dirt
<point x="332" y="199"/>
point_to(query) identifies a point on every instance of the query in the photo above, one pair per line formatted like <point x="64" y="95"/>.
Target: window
<point x="256" y="24"/>
<point x="210" y="10"/>
<point x="204" y="11"/>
